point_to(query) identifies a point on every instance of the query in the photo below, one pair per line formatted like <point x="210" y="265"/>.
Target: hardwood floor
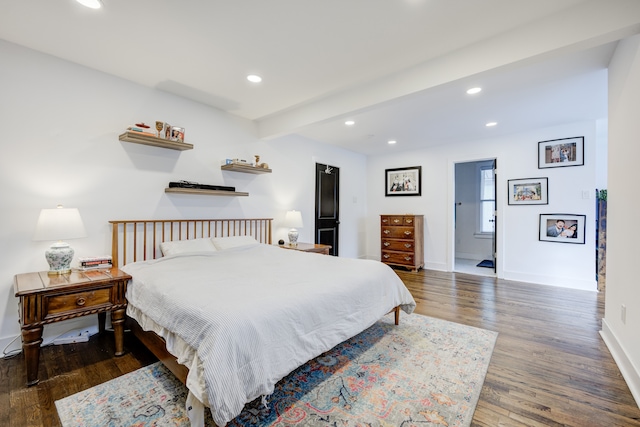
<point x="549" y="366"/>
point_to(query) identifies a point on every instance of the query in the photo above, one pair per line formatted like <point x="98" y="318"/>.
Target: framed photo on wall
<point x="562" y="228"/>
<point x="403" y="181"/>
<point x="557" y="153"/>
<point x="528" y="191"/>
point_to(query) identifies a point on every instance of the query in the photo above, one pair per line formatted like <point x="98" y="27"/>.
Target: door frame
<point x="451" y="224"/>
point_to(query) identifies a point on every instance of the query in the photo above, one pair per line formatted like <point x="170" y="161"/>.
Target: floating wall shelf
<point x="137" y="138"/>
<point x="200" y="191"/>
<point x="244" y="168"/>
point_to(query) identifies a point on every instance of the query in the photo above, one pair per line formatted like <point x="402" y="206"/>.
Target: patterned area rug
<point x="425" y="371"/>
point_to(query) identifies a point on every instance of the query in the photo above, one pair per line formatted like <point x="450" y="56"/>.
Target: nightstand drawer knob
<point x="81" y="301"/>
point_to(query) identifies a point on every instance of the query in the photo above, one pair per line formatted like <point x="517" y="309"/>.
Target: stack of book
<point x="93" y="263"/>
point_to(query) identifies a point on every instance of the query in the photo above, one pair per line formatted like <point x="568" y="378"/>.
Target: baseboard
<point x="630" y="374"/>
<point x="565" y="282"/>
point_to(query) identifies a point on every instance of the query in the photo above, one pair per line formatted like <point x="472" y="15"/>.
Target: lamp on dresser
<point x="59" y="224"/>
<point x="293" y="220"/>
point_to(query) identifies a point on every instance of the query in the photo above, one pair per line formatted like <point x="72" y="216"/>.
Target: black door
<point x="327" y="206"/>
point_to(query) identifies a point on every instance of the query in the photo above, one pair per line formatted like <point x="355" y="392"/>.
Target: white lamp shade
<point x="59" y="224"/>
<point x="293" y="219"/>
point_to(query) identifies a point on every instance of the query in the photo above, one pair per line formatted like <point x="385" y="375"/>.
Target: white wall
<point x="622" y="287"/>
<point x="60" y="144"/>
<point x="520" y="255"/>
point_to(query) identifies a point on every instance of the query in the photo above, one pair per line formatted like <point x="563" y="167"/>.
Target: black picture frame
<point x="403" y="181"/>
<point x="557" y="153"/>
<point x="572" y="231"/>
<point x="528" y="191"/>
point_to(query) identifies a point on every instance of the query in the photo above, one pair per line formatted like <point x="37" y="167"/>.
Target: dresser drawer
<point x="397" y="220"/>
<point x="398" y="245"/>
<point x="62" y="304"/>
<point x="398" y="232"/>
<point x="398" y="258"/>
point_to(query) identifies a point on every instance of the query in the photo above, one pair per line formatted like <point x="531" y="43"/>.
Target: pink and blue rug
<point x="423" y="372"/>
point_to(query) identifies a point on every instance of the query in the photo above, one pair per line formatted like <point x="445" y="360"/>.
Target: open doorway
<point x="474" y="218"/>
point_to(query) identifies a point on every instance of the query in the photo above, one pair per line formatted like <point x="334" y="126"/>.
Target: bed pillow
<point x="222" y="243"/>
<point x="184" y="246"/>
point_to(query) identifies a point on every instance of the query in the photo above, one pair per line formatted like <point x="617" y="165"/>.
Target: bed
<point x="230" y="314"/>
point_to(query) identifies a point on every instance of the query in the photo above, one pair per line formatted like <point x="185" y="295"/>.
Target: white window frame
<point x="479" y="211"/>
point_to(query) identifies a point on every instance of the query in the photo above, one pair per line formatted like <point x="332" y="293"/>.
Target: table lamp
<point x="59" y="224"/>
<point x="293" y="220"/>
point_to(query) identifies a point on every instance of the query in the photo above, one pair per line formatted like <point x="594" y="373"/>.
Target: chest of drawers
<point x="402" y="240"/>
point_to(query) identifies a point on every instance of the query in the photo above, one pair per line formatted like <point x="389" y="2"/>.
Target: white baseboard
<point x="630" y="374"/>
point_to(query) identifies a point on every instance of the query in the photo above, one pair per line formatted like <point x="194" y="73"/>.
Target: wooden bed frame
<point x="139" y="240"/>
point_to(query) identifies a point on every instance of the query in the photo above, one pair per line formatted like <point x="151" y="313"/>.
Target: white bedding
<point x="257" y="312"/>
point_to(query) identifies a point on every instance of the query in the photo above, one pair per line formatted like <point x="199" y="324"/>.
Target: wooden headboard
<point x="139" y="240"/>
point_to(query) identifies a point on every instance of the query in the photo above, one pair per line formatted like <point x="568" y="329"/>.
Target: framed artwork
<point x="528" y="191"/>
<point x="403" y="181"/>
<point x="557" y="153"/>
<point x="562" y="228"/>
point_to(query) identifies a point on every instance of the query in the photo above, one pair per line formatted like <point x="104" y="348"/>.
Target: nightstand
<point x="46" y="299"/>
<point x="309" y="247"/>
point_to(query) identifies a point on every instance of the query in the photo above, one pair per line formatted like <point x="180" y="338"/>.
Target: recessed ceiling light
<point x="474" y="90"/>
<point x="93" y="4"/>
<point x="491" y="124"/>
<point x="393" y="141"/>
<point x="349" y="123"/>
<point x="253" y="78"/>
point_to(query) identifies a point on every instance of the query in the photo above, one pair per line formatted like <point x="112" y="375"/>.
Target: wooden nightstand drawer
<point x="56" y="305"/>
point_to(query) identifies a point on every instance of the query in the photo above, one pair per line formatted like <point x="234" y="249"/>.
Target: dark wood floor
<point x="549" y="367"/>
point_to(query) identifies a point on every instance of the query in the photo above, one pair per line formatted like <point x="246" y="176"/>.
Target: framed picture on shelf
<point x="557" y="153"/>
<point x="403" y="181"/>
<point x="562" y="228"/>
<point x="528" y="191"/>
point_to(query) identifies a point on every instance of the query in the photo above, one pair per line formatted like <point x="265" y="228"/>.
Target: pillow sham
<point x="222" y="243"/>
<point x="184" y="246"/>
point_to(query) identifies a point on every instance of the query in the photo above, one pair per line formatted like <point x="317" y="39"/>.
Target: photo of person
<point x="562" y="228"/>
<point x="403" y="182"/>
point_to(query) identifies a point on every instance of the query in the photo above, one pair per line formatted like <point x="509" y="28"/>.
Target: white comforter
<point x="255" y="313"/>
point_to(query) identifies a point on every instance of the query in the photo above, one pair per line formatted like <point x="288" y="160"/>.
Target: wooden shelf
<point x="199" y="191"/>
<point x="137" y="138"/>
<point x="244" y="169"/>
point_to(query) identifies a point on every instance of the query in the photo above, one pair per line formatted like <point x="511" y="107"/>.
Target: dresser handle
<point x="407" y="245"/>
<point x="409" y="221"/>
<point x="396" y="220"/>
<point x="385" y="256"/>
<point x="385" y="220"/>
<point x="407" y="233"/>
<point x="407" y="258"/>
<point x="386" y="243"/>
<point x="386" y="232"/>
<point x="81" y="301"/>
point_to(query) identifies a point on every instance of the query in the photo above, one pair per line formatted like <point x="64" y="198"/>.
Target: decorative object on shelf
<point x="191" y="184"/>
<point x="58" y="224"/>
<point x="260" y="165"/>
<point x="562" y="228"/>
<point x="281" y="242"/>
<point x="163" y="130"/>
<point x="177" y="134"/>
<point x="557" y="153"/>
<point x="404" y="181"/>
<point x="141" y="129"/>
<point x="528" y="191"/>
<point x="293" y="220"/>
<point x="245" y="168"/>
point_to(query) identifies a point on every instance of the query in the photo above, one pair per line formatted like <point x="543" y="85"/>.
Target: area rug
<point x="425" y="371"/>
<point x="485" y="263"/>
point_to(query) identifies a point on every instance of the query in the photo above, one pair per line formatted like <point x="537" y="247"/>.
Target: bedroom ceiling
<point x="323" y="62"/>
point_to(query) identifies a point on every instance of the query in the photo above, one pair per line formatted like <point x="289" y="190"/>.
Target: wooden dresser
<point x="402" y="240"/>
